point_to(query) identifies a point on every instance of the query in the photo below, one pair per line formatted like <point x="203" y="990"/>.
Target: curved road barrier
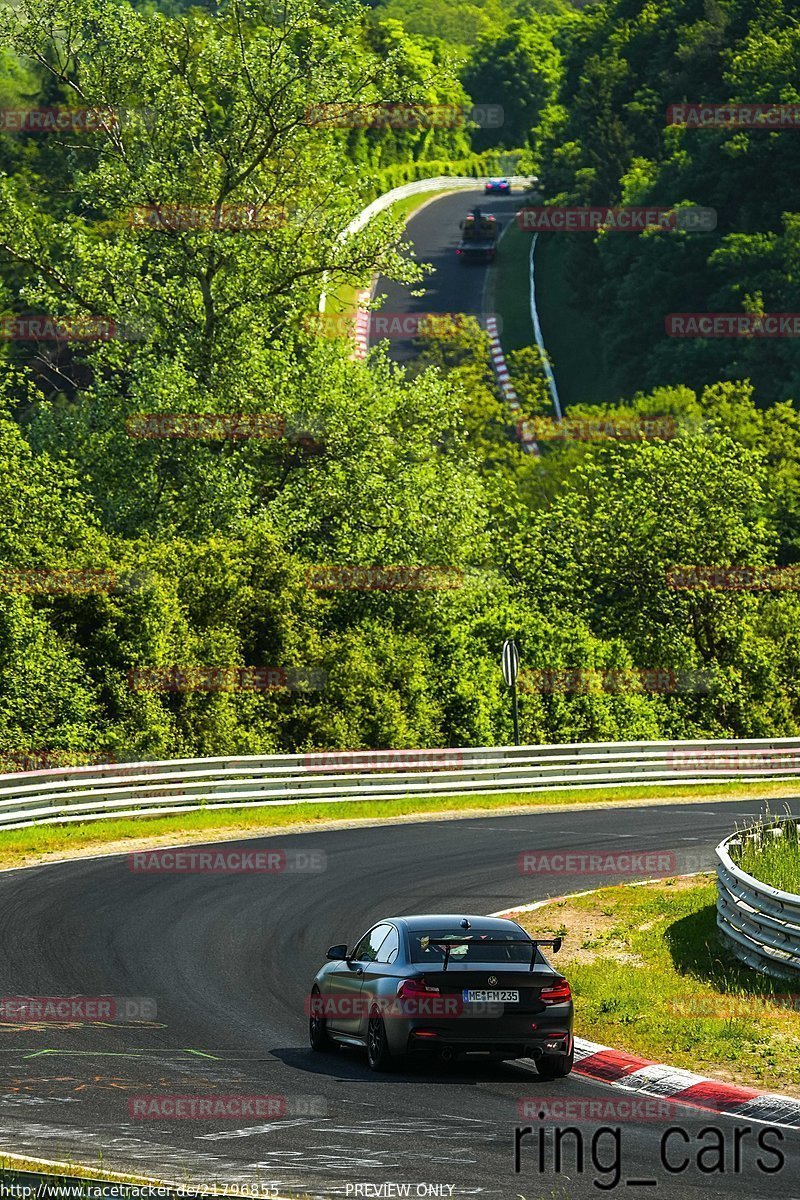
<point x="537" y="333"/>
<point x="761" y="924"/>
<point x="418" y="186"/>
<point x="92" y="793"/>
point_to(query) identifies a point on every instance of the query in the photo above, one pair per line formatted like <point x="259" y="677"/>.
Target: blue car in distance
<point x="499" y="185"/>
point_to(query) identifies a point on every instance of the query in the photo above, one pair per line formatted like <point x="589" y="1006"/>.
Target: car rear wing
<point x="447" y="944"/>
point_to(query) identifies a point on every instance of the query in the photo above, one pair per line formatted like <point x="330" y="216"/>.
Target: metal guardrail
<point x="66" y="794"/>
<point x="419" y="186"/>
<point x="539" y="337"/>
<point x="760" y="924"/>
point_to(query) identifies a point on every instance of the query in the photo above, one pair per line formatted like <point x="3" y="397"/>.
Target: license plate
<point x="479" y="997"/>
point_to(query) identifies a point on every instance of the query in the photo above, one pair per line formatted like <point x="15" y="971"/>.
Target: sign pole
<point x="510" y="669"/>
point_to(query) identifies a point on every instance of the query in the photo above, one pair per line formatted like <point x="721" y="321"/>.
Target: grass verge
<point x="62" y="1173"/>
<point x="771" y="856"/>
<point x="22" y="847"/>
<point x="511" y="290"/>
<point x="409" y="205"/>
<point x="574" y="341"/>
<point x="650" y="976"/>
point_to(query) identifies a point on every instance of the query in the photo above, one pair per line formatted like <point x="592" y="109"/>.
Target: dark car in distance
<point x="447" y="985"/>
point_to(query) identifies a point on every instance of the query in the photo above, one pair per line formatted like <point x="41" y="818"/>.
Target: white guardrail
<point x="760" y="924"/>
<point x="538" y="336"/>
<point x="130" y="789"/>
<point x="434" y="184"/>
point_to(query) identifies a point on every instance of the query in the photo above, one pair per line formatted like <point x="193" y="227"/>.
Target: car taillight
<point x="415" y="987"/>
<point x="557" y="993"/>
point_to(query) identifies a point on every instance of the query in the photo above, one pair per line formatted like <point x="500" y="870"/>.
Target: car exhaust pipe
<point x="447" y="1054"/>
<point x="536" y="1054"/>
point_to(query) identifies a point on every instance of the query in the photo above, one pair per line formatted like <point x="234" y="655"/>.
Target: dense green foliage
<point x="211" y="541"/>
<point x="519" y="70"/>
<point x="464" y="25"/>
<point x="606" y="140"/>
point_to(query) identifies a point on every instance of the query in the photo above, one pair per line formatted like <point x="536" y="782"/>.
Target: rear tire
<point x="555" y="1066"/>
<point x="321" y="1041"/>
<point x="379" y="1056"/>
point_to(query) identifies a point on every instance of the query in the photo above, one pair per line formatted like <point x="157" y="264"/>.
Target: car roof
<point x="451" y="922"/>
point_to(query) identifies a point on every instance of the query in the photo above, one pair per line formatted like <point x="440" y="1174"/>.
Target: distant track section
<point x="454" y="287"/>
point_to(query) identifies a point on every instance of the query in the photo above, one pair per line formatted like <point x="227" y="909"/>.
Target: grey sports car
<point x="444" y="984"/>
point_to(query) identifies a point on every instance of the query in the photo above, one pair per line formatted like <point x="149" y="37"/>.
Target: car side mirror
<point x="337" y="952"/>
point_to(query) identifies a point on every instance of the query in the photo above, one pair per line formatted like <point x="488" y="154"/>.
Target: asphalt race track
<point x="454" y="287"/>
<point x="228" y="960"/>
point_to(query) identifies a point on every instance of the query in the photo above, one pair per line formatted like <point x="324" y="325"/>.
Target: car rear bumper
<point x="502" y="1046"/>
<point x="534" y="1034"/>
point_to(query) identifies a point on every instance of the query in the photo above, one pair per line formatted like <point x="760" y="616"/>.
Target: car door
<point x="376" y="972"/>
<point x="346" y="987"/>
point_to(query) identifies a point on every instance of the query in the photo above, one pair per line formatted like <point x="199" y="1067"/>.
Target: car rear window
<point x="426" y="946"/>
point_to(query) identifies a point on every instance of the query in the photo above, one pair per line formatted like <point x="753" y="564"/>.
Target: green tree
<point x="518" y="70"/>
